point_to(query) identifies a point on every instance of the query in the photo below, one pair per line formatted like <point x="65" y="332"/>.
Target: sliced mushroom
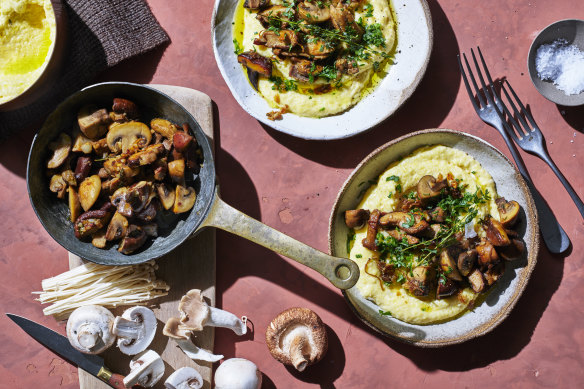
<point x="182" y="336"/>
<point x="146" y="369"/>
<point x="238" y="373"/>
<point x="297" y="337"/>
<point x="93" y="122"/>
<point x="164" y="128"/>
<point x="120" y="199"/>
<point x="69" y="177"/>
<point x="412" y="224"/>
<point x="494" y="273"/>
<point x="165" y="195"/>
<point x="420" y="280"/>
<point x="58" y="185"/>
<point x="146" y="156"/>
<point x="74" y="205"/>
<point x="356" y="218"/>
<point x="117" y="228"/>
<point x="514" y="251"/>
<point x="372" y="227"/>
<point x="122" y="136"/>
<point x="82" y="168"/>
<point x="61" y="148"/>
<point x="429" y="188"/>
<point x="446" y="288"/>
<point x="90" y="222"/>
<point x="466" y="261"/>
<point x="98" y="239"/>
<point x="125" y="107"/>
<point x="477" y="281"/>
<point x="185" y="378"/>
<point x="399" y="235"/>
<point x="184" y="199"/>
<point x="256" y="62"/>
<point x="318" y="48"/>
<point x="254" y="4"/>
<point x="89" y="329"/>
<point x="496" y="233"/>
<point x="176" y="171"/>
<point x="135" y="330"/>
<point x="312" y="13"/>
<point x="275" y="11"/>
<point x="135" y="238"/>
<point x="487" y="255"/>
<point x="449" y="267"/>
<point x="283" y="39"/>
<point x="89" y="191"/>
<point x="508" y="211"/>
<point x="343" y="18"/>
<point x="81" y="143"/>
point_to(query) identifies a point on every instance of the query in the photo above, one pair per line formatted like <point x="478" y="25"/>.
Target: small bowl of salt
<point x="556" y="62"/>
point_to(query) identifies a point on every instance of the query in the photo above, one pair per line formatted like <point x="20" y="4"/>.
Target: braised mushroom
<point x="477" y="281"/>
<point x="98" y="239"/>
<point x="89" y="191"/>
<point x="176" y="171"/>
<point x="275" y="11"/>
<point x="304" y="70"/>
<point x="420" y="280"/>
<point x="254" y="4"/>
<point x="165" y="195"/>
<point x="61" y="148"/>
<point x="122" y="136"/>
<point x="410" y="223"/>
<point x="429" y="188"/>
<point x="312" y="13"/>
<point x="81" y="143"/>
<point x="356" y="218"/>
<point x="466" y="261"/>
<point x="164" y="128"/>
<point x="58" y="185"/>
<point x="496" y="233"/>
<point x="399" y="235"/>
<point x="184" y="199"/>
<point x="487" y="255"/>
<point x="493" y="274"/>
<point x="117" y="227"/>
<point x="372" y="226"/>
<point x="508" y="211"/>
<point x="74" y="204"/>
<point x="146" y="156"/>
<point x="93" y="122"/>
<point x="449" y="267"/>
<point x="343" y="18"/>
<point x="135" y="238"/>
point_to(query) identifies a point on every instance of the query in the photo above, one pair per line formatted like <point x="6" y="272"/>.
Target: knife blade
<point x="57" y="343"/>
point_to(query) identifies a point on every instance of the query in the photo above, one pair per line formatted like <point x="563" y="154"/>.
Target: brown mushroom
<point x="184" y="199"/>
<point x="254" y="4"/>
<point x="496" y="233"/>
<point x="98" y="239"/>
<point x="508" y="211"/>
<point x="256" y="62"/>
<point x="164" y="128"/>
<point x="58" y="185"/>
<point x="74" y="205"/>
<point x="165" y="195"/>
<point x="146" y="156"/>
<point x="89" y="191"/>
<point x="297" y="337"/>
<point x="466" y="261"/>
<point x="449" y="267"/>
<point x="304" y="70"/>
<point x="117" y="227"/>
<point x="429" y="188"/>
<point x="446" y="288"/>
<point x="283" y="39"/>
<point x="120" y="200"/>
<point x="434" y="229"/>
<point x="69" y="177"/>
<point x="420" y="280"/>
<point x="399" y="235"/>
<point x="514" y="251"/>
<point x="134" y="239"/>
<point x="494" y="273"/>
<point x="275" y="11"/>
<point x="125" y="107"/>
<point x="83" y="168"/>
<point x="343" y="18"/>
<point x="412" y="224"/>
<point x="356" y="218"/>
<point x="372" y="226"/>
<point x="487" y="255"/>
<point x="122" y="136"/>
<point x="318" y="48"/>
<point x="81" y="143"/>
<point x="477" y="281"/>
<point x="312" y="13"/>
<point x="93" y="122"/>
<point x="61" y="148"/>
<point x="90" y="222"/>
<point x="386" y="272"/>
<point x="176" y="171"/>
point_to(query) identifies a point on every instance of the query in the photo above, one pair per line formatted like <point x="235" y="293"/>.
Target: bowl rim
<point x="531" y="60"/>
<point x="532" y="249"/>
<point x="406" y="92"/>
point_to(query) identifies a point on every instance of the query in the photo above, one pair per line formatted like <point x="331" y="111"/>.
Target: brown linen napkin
<point x="101" y="33"/>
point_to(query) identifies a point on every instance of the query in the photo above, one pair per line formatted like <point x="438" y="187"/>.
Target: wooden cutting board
<point x="190" y="266"/>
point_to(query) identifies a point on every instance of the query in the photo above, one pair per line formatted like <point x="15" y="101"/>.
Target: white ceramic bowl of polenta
<point x="433" y="322"/>
<point x="31" y="42"/>
<point x="352" y="107"/>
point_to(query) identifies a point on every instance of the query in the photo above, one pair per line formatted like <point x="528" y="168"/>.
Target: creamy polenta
<point x="400" y="178"/>
<point x="27" y="37"/>
<point x="326" y="84"/>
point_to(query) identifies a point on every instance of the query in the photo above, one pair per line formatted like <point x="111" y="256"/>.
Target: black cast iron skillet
<point x="209" y="209"/>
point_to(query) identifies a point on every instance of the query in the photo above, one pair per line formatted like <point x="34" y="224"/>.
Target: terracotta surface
<point x="290" y="184"/>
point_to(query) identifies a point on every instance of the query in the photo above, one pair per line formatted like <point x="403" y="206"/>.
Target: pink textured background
<point x="291" y="184"/>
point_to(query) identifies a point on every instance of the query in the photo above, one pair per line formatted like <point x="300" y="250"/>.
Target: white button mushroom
<point x="238" y="373"/>
<point x="182" y="337"/>
<point x="297" y="337"/>
<point x="89" y="329"/>
<point x="184" y="378"/>
<point x="147" y="368"/>
<point x="135" y="329"/>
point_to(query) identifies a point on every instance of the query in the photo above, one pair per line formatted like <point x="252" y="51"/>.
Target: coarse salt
<point x="563" y="64"/>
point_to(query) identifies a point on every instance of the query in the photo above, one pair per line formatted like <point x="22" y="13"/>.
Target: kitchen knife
<point x="57" y="343"/>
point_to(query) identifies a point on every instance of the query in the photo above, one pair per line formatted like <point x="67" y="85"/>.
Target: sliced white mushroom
<point x="238" y="373"/>
<point x="135" y="330"/>
<point x="147" y="368"/>
<point x="89" y="329"/>
<point x="184" y="378"/>
<point x="182" y="336"/>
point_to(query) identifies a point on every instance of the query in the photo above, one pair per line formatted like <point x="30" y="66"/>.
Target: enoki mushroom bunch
<point x="108" y="286"/>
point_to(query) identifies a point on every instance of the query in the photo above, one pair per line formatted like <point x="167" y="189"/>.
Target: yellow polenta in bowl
<point x="28" y="34"/>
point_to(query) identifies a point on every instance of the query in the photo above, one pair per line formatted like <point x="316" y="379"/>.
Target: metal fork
<point x="530" y="139"/>
<point x="490" y="110"/>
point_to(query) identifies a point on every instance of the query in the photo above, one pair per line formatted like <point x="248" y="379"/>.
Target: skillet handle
<point x="341" y="272"/>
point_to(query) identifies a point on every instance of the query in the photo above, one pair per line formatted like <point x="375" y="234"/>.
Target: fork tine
<point x="491" y="83"/>
<point x="482" y="80"/>
<point x="468" y="90"/>
<point x="472" y="78"/>
<point x="522" y="130"/>
<point x="523" y="109"/>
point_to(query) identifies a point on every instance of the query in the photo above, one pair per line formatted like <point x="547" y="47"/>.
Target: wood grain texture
<point x="190" y="266"/>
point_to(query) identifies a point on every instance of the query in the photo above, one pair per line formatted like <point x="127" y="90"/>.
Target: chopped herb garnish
<point x="350" y="239"/>
<point x="358" y="256"/>
<point x="238" y="49"/>
<point x="385" y="313"/>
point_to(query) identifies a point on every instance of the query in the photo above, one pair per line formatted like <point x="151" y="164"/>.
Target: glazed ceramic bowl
<point x="572" y="30"/>
<point x="52" y="68"/>
<point x="501" y="299"/>
<point x="414" y="45"/>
